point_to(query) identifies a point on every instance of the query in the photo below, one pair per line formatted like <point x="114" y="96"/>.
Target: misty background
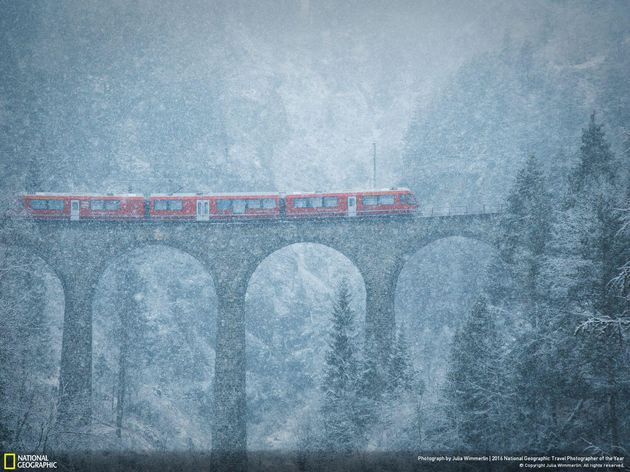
<point x="283" y="95"/>
<point x="290" y="95"/>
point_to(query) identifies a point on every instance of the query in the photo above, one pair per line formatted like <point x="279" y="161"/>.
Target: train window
<point x="386" y="200"/>
<point x="55" y="204"/>
<point x="268" y="203"/>
<point x="112" y="205"/>
<point x="175" y="205"/>
<point x="369" y="200"/>
<point x="403" y="199"/>
<point x="239" y="206"/>
<point x="161" y="205"/>
<point x="224" y="204"/>
<point x="39" y="204"/>
<point x="330" y="202"/>
<point x="300" y="203"/>
<point x="254" y="203"/>
<point x="97" y="204"/>
<point x="315" y="202"/>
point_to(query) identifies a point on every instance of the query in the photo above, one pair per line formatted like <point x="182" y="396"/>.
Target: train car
<point x="351" y="204"/>
<point x="317" y="204"/>
<point x="246" y="205"/>
<point x="386" y="202"/>
<point x="206" y="207"/>
<point x="74" y="207"/>
<point x="219" y="206"/>
<point x="174" y="206"/>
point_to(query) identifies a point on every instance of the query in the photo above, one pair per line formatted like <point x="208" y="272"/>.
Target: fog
<point x="518" y="111"/>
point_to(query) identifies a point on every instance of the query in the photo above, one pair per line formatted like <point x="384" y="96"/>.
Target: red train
<point x="218" y="206"/>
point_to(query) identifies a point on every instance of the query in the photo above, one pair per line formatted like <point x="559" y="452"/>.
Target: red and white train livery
<point x="218" y="206"/>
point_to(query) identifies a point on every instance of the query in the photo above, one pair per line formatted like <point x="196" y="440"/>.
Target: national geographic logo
<point x="13" y="461"/>
<point x="9" y="461"/>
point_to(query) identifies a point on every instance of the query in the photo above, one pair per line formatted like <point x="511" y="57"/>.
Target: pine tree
<point x="596" y="158"/>
<point x="592" y="218"/>
<point x="621" y="282"/>
<point x="371" y="382"/>
<point x="400" y="413"/>
<point x="590" y="249"/>
<point x="26" y="404"/>
<point x="131" y="335"/>
<point x="606" y="347"/>
<point x="370" y="391"/>
<point x="525" y="232"/>
<point x="524" y="242"/>
<point x="341" y="412"/>
<point x="401" y="376"/>
<point x="474" y="388"/>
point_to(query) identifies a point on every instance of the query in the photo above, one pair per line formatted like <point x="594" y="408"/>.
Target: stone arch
<point x="32" y="325"/>
<point x="171" y="354"/>
<point x="410" y="249"/>
<point x="280" y="308"/>
<point x="36" y="253"/>
<point x="277" y="245"/>
<point x="126" y="248"/>
<point x="435" y="288"/>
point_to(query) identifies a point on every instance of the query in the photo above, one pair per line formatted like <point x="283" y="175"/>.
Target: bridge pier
<point x="74" y="413"/>
<point x="380" y="276"/>
<point x="229" y="433"/>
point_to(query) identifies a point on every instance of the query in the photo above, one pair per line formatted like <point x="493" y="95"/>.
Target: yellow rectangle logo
<point x="9" y="461"/>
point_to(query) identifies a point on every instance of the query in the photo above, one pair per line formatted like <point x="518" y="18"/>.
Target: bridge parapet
<point x="459" y="210"/>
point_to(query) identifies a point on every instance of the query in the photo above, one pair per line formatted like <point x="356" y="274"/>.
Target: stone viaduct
<point x="79" y="252"/>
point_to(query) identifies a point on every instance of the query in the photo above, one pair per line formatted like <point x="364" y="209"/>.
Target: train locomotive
<point x="218" y="206"/>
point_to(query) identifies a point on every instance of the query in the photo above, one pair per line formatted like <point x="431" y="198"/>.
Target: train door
<point x="203" y="210"/>
<point x="283" y="205"/>
<point x="352" y="205"/>
<point x="74" y="210"/>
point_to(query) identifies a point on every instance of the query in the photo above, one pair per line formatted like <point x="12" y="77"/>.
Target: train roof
<point x="255" y="194"/>
<point x="211" y="194"/>
<point x="372" y="190"/>
<point x="57" y="194"/>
